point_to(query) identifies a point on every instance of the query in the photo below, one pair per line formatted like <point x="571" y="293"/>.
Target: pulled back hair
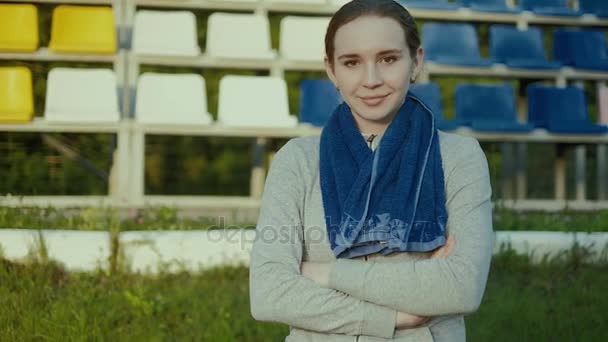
<point x="380" y="8"/>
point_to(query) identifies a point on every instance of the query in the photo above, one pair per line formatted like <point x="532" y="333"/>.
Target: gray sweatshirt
<point x="365" y="293"/>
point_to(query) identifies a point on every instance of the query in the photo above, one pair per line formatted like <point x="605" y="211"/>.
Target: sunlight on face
<point x="372" y="68"/>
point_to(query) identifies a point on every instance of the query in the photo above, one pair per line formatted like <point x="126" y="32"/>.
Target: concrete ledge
<point x="18" y="244"/>
<point x="78" y="250"/>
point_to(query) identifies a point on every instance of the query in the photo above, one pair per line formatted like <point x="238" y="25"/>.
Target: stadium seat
<point x="496" y="6"/>
<point x="519" y="49"/>
<point x="581" y="48"/>
<point x="18" y="27"/>
<point x="81" y="95"/>
<point x="560" y="110"/>
<point x="254" y="101"/>
<point x="172" y="99"/>
<point x="83" y="29"/>
<point x="239" y="36"/>
<point x="452" y="43"/>
<point x="16" y="94"/>
<point x="489" y="108"/>
<point x="318" y="100"/>
<point x="597" y="7"/>
<point x="549" y="7"/>
<point x="169" y="33"/>
<point x="302" y="38"/>
<point x="430" y="94"/>
<point x="430" y="4"/>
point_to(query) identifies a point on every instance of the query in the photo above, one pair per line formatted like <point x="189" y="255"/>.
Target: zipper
<point x="370" y="139"/>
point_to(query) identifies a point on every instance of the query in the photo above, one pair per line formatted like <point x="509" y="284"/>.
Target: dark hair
<point x="381" y="8"/>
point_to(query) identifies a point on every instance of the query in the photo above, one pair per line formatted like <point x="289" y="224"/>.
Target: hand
<point x="409" y="321"/>
<point x="446" y="249"/>
<point x="317" y="272"/>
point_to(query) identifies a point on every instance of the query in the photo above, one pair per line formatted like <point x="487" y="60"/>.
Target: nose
<point x="373" y="78"/>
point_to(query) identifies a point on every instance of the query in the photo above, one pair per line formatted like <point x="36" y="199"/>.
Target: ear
<point x="418" y="63"/>
<point x="329" y="69"/>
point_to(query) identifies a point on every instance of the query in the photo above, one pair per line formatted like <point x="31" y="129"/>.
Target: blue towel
<point x="387" y="200"/>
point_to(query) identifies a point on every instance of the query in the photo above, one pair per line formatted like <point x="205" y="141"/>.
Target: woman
<point x="381" y="228"/>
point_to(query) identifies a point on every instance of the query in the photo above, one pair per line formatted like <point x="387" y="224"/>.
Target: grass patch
<point x="551" y="301"/>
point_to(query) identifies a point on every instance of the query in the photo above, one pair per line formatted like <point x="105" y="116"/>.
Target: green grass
<point x="170" y="219"/>
<point x="554" y="301"/>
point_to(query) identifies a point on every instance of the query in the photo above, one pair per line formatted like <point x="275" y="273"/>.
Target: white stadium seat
<point x="302" y="38"/>
<point x="239" y="36"/>
<point x="168" y="33"/>
<point x="81" y="95"/>
<point x="254" y="101"/>
<point x="172" y="99"/>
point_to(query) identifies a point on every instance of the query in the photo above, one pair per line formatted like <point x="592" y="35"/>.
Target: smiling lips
<point x="373" y="101"/>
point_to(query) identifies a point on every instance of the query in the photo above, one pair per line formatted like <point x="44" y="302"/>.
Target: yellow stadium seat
<point x="16" y="94"/>
<point x="83" y="29"/>
<point x="18" y="27"/>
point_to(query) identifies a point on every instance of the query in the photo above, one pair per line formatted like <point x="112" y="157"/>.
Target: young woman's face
<point x="372" y="68"/>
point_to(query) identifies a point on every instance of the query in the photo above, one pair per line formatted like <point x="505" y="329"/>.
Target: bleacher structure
<point x="256" y="107"/>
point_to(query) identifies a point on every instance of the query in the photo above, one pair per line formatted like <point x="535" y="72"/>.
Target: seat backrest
<point x="16" y="94"/>
<point x="550" y="103"/>
<point x="508" y="42"/>
<point x="302" y="38"/>
<point x="532" y="4"/>
<point x="593" y="6"/>
<point x="575" y="45"/>
<point x="83" y="29"/>
<point x="254" y="101"/>
<point x="450" y="39"/>
<point x="318" y="100"/>
<point x="238" y="36"/>
<point x="485" y="102"/>
<point x="430" y="94"/>
<point x="18" y="27"/>
<point x="165" y="33"/>
<point x="81" y="95"/>
<point x="172" y="98"/>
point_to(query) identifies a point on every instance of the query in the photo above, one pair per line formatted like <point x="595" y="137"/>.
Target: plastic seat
<point x="81" y="95"/>
<point x="83" y="29"/>
<point x="583" y="49"/>
<point x="18" y="27"/>
<point x="452" y="43"/>
<point x="302" y="38"/>
<point x="489" y="108"/>
<point x="16" y="94"/>
<point x="430" y="94"/>
<point x="172" y="99"/>
<point x="430" y="4"/>
<point x="519" y="49"/>
<point x="549" y="7"/>
<point x="494" y="6"/>
<point x="169" y="33"/>
<point x="239" y="36"/>
<point x="597" y="7"/>
<point x="254" y="101"/>
<point x="318" y="100"/>
<point x="560" y="110"/>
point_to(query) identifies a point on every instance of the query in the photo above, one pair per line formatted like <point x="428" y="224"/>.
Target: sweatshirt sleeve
<point x="439" y="286"/>
<point x="278" y="291"/>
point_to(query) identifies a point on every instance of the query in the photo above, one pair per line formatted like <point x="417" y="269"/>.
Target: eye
<point x="389" y="59"/>
<point x="351" y="63"/>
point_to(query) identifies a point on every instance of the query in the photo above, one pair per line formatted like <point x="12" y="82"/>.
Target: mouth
<point x="373" y="101"/>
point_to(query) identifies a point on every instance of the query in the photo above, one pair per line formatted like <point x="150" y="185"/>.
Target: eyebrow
<point x="381" y="53"/>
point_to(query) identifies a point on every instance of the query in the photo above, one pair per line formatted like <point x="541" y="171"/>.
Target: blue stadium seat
<point x="452" y="43"/>
<point x="519" y="49"/>
<point x="430" y="4"/>
<point x="583" y="49"/>
<point x="430" y="94"/>
<point x="560" y="110"/>
<point x="496" y="6"/>
<point x="318" y="99"/>
<point x="597" y="7"/>
<point x="549" y="7"/>
<point x="488" y="108"/>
